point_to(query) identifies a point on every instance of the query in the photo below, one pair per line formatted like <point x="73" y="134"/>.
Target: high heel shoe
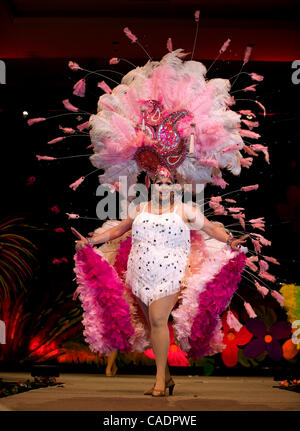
<point x="169" y="384"/>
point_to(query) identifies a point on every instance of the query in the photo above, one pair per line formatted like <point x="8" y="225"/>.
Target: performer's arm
<point x="109" y="234"/>
<point x="198" y="221"/>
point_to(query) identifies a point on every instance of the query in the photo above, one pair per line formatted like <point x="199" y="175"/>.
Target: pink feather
<point x="249" y="151"/>
<point x="249" y="310"/>
<point x="247" y="112"/>
<point x="264" y="266"/>
<point x="114" y="60"/>
<point x="263" y="148"/>
<point x="35" y="120"/>
<point x="130" y="35"/>
<point x="235" y="210"/>
<point x="267" y="276"/>
<point x="104" y="87"/>
<point x="197" y="14"/>
<point x="256" y="77"/>
<point x="247" y="54"/>
<point x="249" y="188"/>
<point x="76" y="183"/>
<point x="79" y="88"/>
<point x="56" y="140"/>
<point x="225" y="46"/>
<point x="45" y="157"/>
<point x="219" y="182"/>
<point x="278" y="297"/>
<point x="250" y="88"/>
<point x="261" y="289"/>
<point x="262" y="106"/>
<point x="69" y="106"/>
<point x="73" y="66"/>
<point x="271" y="259"/>
<point x="250" y="124"/>
<point x="246" y="162"/>
<point x="251" y="265"/>
<point x="249" y="134"/>
<point x="72" y="216"/>
<point x="232" y="201"/>
<point x="83" y="126"/>
<point x="67" y="129"/>
<point x="55" y="209"/>
<point x="169" y="45"/>
<point x="233" y="322"/>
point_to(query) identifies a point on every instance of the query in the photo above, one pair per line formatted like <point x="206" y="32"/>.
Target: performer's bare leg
<point x="111" y="364"/>
<point x="159" y="311"/>
<point x="145" y="310"/>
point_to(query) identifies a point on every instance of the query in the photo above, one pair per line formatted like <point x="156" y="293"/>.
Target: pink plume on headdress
<point x="169" y="45"/>
<point x="246" y="162"/>
<point x="235" y="210"/>
<point x="130" y="35"/>
<point x="247" y="54"/>
<point x="250" y="124"/>
<point x="56" y="140"/>
<point x="45" y="157"/>
<point x="219" y="182"/>
<point x="249" y="310"/>
<point x="271" y="259"/>
<point x="247" y="112"/>
<point x="259" y="237"/>
<point x="225" y="46"/>
<point x="256" y="77"/>
<point x="249" y="134"/>
<point x="69" y="106"/>
<point x="114" y="60"/>
<point x="248" y="150"/>
<point x="67" y="129"/>
<point x="232" y="201"/>
<point x="76" y="183"/>
<point x="267" y="276"/>
<point x="35" y="120"/>
<point x="278" y="297"/>
<point x="264" y="266"/>
<point x="263" y="148"/>
<point x="209" y="162"/>
<point x="71" y="216"/>
<point x="59" y="229"/>
<point x="197" y="14"/>
<point x="262" y="106"/>
<point x="257" y="246"/>
<point x="262" y="290"/>
<point x="250" y="88"/>
<point x="73" y="66"/>
<point x="249" y="188"/>
<point x="79" y="88"/>
<point x="83" y="126"/>
<point x="251" y="265"/>
<point x="233" y="322"/>
<point x="104" y="87"/>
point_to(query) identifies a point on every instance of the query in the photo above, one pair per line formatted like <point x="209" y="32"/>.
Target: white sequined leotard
<point x="159" y="254"/>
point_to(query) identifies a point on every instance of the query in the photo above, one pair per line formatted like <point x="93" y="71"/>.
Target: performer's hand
<point x="235" y="244"/>
<point x="81" y="242"/>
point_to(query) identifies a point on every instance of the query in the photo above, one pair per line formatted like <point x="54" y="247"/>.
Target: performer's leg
<point x="159" y="312"/>
<point x="111" y="367"/>
<point x="145" y="310"/>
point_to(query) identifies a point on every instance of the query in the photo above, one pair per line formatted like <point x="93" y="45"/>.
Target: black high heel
<point x="170" y="385"/>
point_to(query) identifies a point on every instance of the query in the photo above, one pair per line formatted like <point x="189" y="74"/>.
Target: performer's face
<point x="163" y="186"/>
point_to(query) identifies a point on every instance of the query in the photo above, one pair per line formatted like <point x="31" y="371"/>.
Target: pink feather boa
<point x="106" y="313"/>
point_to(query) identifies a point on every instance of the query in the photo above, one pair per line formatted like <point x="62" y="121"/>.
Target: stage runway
<point x="95" y="392"/>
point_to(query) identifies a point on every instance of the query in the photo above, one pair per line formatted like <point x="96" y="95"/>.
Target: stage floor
<point x="95" y="392"/>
